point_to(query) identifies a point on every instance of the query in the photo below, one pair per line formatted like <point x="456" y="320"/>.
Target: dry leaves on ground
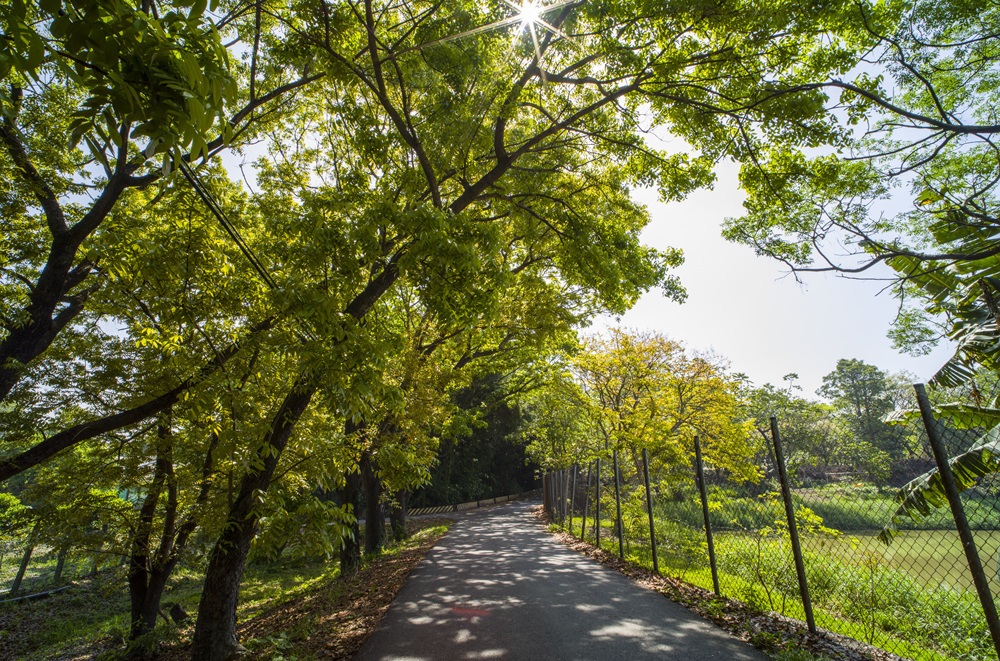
<point x="333" y="620"/>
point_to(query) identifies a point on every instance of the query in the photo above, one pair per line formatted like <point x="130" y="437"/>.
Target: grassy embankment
<point x="281" y="608"/>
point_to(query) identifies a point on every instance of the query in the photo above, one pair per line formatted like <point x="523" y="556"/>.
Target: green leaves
<point x="961" y="415"/>
<point x="919" y="496"/>
<point x="965" y="293"/>
<point x="164" y="78"/>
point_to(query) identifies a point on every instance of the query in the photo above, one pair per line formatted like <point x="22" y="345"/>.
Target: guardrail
<point x="444" y="509"/>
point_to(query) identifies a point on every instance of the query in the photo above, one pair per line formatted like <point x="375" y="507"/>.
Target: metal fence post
<point x="586" y="501"/>
<point x="572" y="499"/>
<point x="565" y="493"/>
<point x="618" y="503"/>
<point x="649" y="508"/>
<point x="545" y="492"/>
<point x="964" y="532"/>
<point x="700" y="470"/>
<point x="556" y="484"/>
<point x="556" y="480"/>
<point x="793" y="531"/>
<point x="597" y="506"/>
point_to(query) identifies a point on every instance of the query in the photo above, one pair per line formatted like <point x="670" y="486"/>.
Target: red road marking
<point x="469" y="612"/>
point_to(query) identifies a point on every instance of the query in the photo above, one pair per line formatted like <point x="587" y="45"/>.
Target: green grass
<point x="75" y="621"/>
<point x="933" y="557"/>
<point x="41" y="569"/>
<point x="846" y="508"/>
<point x="907" y="598"/>
<point x="868" y="509"/>
<point x="98" y="607"/>
<point x="52" y="627"/>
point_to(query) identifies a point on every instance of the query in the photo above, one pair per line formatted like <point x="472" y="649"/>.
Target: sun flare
<point x="529" y="13"/>
<point x="529" y="16"/>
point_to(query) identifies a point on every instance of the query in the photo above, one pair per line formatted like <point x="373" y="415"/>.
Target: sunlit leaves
<point x="166" y="78"/>
<point x="646" y="391"/>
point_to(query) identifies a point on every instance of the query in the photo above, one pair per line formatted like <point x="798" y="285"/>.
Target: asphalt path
<point x="498" y="586"/>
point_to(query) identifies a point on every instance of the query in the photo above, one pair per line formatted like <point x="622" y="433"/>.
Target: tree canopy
<point x="428" y="195"/>
<point x="633" y="391"/>
<point x="912" y="187"/>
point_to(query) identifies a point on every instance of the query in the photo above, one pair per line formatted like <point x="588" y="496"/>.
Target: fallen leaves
<point x="331" y="620"/>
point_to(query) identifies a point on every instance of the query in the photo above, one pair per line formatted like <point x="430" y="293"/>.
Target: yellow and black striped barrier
<point x="444" y="509"/>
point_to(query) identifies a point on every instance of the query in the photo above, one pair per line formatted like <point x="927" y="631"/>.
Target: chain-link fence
<point x="808" y="538"/>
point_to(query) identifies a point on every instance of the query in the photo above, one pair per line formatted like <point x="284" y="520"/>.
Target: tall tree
<point x="809" y="434"/>
<point x="97" y="96"/>
<point x="646" y="391"/>
<point x="454" y="164"/>
<point x="864" y="395"/>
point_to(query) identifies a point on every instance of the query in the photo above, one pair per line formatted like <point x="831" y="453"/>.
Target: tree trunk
<point x="25" y="559"/>
<point x="350" y="495"/>
<point x="60" y="564"/>
<point x="397" y="515"/>
<point x="139" y="556"/>
<point x="374" y="505"/>
<point x="215" y="631"/>
<point x="144" y="617"/>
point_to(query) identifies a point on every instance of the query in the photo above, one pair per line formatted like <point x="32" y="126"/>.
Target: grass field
<point x="98" y="607"/>
<point x="90" y="619"/>
<point x="865" y="508"/>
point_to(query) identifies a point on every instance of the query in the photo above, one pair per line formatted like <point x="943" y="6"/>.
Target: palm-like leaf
<point x="918" y="496"/>
<point x="961" y="415"/>
<point x="957" y="292"/>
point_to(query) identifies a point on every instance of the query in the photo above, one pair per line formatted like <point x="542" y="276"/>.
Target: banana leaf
<point x="962" y="416"/>
<point x="920" y="495"/>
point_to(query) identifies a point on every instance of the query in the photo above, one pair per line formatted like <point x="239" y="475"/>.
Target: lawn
<point x="933" y="557"/>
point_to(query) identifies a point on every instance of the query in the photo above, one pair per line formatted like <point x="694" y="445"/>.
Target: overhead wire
<point x="220" y="215"/>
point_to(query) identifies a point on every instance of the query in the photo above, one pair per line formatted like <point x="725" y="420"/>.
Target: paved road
<point x="497" y="586"/>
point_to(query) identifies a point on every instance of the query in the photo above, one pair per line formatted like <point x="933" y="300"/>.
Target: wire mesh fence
<point x="865" y="567"/>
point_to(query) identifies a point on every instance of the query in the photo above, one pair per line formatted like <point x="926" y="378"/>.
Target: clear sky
<point x="748" y="309"/>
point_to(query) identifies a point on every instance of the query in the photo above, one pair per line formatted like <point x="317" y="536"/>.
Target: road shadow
<point x="498" y="586"/>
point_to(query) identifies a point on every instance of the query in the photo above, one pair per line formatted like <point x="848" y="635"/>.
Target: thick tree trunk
<point x="145" y="612"/>
<point x="397" y="515"/>
<point x="374" y="505"/>
<point x="215" y="631"/>
<point x="350" y="496"/>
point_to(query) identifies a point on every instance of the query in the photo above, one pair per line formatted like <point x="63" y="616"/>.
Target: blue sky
<point x="748" y="309"/>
